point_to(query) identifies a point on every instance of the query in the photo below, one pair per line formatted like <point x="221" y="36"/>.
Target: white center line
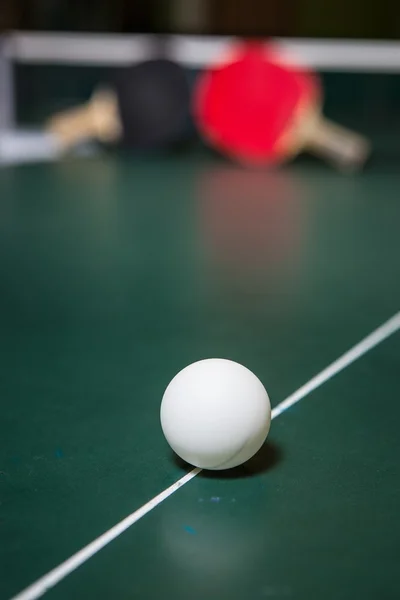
<point x="42" y="585"/>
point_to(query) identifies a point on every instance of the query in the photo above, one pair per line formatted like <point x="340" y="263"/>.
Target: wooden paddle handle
<point x="344" y="148"/>
<point x="98" y="119"/>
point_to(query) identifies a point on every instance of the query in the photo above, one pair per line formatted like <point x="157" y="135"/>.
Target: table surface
<point x="115" y="274"/>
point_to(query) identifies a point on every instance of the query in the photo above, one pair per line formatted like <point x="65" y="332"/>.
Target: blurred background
<point x="53" y="53"/>
<point x="299" y="18"/>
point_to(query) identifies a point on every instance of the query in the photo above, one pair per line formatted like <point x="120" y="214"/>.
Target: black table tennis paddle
<point x="145" y="106"/>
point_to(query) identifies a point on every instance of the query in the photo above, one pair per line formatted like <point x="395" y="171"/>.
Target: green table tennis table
<point x="116" y="272"/>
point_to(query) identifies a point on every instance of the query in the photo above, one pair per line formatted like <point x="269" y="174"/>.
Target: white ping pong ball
<point x="215" y="414"/>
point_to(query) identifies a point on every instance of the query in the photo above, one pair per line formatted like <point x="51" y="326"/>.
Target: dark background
<point x="291" y="18"/>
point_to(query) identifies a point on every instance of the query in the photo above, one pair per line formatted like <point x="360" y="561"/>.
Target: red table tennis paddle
<point x="261" y="109"/>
